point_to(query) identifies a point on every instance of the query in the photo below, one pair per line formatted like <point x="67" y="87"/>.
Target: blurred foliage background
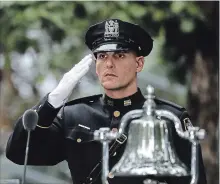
<point x="41" y="40"/>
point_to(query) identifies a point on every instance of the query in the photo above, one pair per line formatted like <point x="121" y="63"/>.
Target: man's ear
<point x="139" y="63"/>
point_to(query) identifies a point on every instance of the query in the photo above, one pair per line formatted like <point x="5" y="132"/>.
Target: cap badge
<point x="111" y="29"/>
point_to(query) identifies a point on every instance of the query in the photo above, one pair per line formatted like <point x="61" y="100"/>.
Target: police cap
<point x="118" y="35"/>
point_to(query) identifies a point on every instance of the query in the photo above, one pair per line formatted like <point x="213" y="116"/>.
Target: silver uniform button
<point x="79" y="140"/>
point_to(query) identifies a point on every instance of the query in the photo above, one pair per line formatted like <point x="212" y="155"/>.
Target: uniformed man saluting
<point x="65" y="129"/>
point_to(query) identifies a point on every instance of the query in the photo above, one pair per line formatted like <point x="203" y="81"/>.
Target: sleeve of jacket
<point x="46" y="141"/>
<point x="184" y="149"/>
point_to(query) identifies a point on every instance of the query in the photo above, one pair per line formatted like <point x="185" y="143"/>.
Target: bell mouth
<point x="150" y="169"/>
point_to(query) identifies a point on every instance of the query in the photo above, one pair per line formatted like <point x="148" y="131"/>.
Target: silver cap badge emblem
<point x="111" y="29"/>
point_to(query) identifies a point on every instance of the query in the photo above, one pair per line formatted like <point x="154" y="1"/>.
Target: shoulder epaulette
<point x="166" y="102"/>
<point x="87" y="99"/>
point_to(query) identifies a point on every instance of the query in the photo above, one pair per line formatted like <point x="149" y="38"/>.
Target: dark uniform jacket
<point x="67" y="134"/>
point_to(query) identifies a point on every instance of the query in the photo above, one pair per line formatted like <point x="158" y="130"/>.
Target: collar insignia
<point x="187" y="123"/>
<point x="109" y="102"/>
<point x="111" y="29"/>
<point x="127" y="102"/>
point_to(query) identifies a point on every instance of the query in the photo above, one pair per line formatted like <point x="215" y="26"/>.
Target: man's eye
<point x="101" y="56"/>
<point x="121" y="55"/>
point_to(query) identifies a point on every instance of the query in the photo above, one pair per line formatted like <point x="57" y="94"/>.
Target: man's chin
<point x="110" y="86"/>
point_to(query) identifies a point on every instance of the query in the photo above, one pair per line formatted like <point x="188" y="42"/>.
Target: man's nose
<point x="109" y="62"/>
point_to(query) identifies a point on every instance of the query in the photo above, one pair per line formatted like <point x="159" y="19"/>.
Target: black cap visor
<point x="111" y="47"/>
